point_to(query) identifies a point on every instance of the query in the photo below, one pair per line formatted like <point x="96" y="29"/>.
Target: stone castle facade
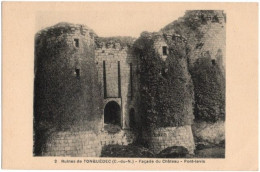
<point x="82" y="86"/>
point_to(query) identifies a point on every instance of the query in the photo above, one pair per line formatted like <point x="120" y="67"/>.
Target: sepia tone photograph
<point x="129" y="86"/>
<point x="158" y="95"/>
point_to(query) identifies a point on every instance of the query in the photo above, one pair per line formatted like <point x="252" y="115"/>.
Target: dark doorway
<point x="132" y="118"/>
<point x="112" y="113"/>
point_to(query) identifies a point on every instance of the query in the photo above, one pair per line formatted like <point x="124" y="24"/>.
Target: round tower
<point x="166" y="93"/>
<point x="67" y="94"/>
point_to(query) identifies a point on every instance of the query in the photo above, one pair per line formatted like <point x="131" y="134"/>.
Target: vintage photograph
<point x="157" y="95"/>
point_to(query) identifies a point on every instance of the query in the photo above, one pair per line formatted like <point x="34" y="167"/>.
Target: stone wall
<point x="161" y="138"/>
<point x="84" y="143"/>
<point x="73" y="144"/>
<point x="114" y="55"/>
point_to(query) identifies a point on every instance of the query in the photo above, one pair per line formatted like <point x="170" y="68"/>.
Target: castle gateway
<point x="87" y="92"/>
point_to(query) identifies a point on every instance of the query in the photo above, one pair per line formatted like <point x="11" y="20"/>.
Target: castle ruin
<point x="82" y="86"/>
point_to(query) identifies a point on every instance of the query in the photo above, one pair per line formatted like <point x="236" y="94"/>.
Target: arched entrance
<point x="132" y="122"/>
<point x="112" y="113"/>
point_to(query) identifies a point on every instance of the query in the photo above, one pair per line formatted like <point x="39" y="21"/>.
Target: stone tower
<point x="67" y="94"/>
<point x="166" y="90"/>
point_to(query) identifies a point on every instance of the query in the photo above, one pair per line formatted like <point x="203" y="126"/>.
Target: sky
<point x="113" y="20"/>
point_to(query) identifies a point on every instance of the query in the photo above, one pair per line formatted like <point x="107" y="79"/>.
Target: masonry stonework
<point x="118" y="61"/>
<point x="84" y="143"/>
<point x="76" y="82"/>
<point x="162" y="138"/>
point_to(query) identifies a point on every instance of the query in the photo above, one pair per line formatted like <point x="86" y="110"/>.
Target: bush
<point x="209" y="88"/>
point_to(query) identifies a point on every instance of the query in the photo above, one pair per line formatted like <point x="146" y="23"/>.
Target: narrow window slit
<point x="76" y="42"/>
<point x="119" y="79"/>
<point x="77" y="71"/>
<point x="164" y="50"/>
<point x="131" y="80"/>
<point x="104" y="79"/>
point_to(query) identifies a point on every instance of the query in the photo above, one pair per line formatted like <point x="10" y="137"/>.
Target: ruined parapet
<point x="114" y="42"/>
<point x="67" y="94"/>
<point x="110" y="45"/>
